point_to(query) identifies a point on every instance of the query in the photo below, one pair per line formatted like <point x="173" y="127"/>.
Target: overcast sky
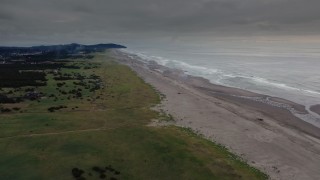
<point x="25" y="22"/>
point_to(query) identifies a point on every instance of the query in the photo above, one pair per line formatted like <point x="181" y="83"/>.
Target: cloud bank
<point x="53" y="21"/>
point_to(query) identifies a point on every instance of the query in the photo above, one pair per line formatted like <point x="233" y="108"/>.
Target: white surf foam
<point x="219" y="74"/>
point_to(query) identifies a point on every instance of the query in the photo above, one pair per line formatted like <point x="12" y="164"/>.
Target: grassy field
<point x="105" y="136"/>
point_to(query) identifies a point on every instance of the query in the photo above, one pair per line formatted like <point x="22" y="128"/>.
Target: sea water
<point x="289" y="71"/>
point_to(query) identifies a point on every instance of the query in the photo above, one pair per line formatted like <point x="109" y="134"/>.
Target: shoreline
<point x="267" y="135"/>
<point x="308" y="114"/>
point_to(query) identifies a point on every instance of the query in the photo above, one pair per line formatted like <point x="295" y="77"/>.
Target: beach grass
<point x="109" y="130"/>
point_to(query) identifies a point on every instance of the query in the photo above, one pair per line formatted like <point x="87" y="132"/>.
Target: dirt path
<point x="53" y="133"/>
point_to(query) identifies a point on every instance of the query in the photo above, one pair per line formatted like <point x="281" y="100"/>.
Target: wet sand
<point x="315" y="108"/>
<point x="259" y="128"/>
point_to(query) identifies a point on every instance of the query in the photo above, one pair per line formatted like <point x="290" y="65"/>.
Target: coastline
<point x="267" y="135"/>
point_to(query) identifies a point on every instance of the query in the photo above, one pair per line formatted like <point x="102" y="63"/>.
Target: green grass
<point x="117" y="135"/>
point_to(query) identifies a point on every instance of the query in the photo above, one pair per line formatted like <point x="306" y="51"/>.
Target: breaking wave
<point x="217" y="75"/>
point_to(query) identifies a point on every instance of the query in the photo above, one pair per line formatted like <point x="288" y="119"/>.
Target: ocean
<point x="286" y="70"/>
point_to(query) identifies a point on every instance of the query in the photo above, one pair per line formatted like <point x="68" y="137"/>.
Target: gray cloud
<point x="35" y="21"/>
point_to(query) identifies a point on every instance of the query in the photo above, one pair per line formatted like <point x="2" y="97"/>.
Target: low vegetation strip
<point x="109" y="107"/>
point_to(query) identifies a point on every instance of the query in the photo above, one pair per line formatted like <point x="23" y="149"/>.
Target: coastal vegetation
<point x="88" y="119"/>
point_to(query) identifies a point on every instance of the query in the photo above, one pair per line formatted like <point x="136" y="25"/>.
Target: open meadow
<point x="88" y="119"/>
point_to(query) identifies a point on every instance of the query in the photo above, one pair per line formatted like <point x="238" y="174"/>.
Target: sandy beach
<point x="259" y="128"/>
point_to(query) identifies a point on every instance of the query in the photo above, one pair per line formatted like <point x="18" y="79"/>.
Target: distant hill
<point x="34" y="54"/>
<point x="67" y="48"/>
